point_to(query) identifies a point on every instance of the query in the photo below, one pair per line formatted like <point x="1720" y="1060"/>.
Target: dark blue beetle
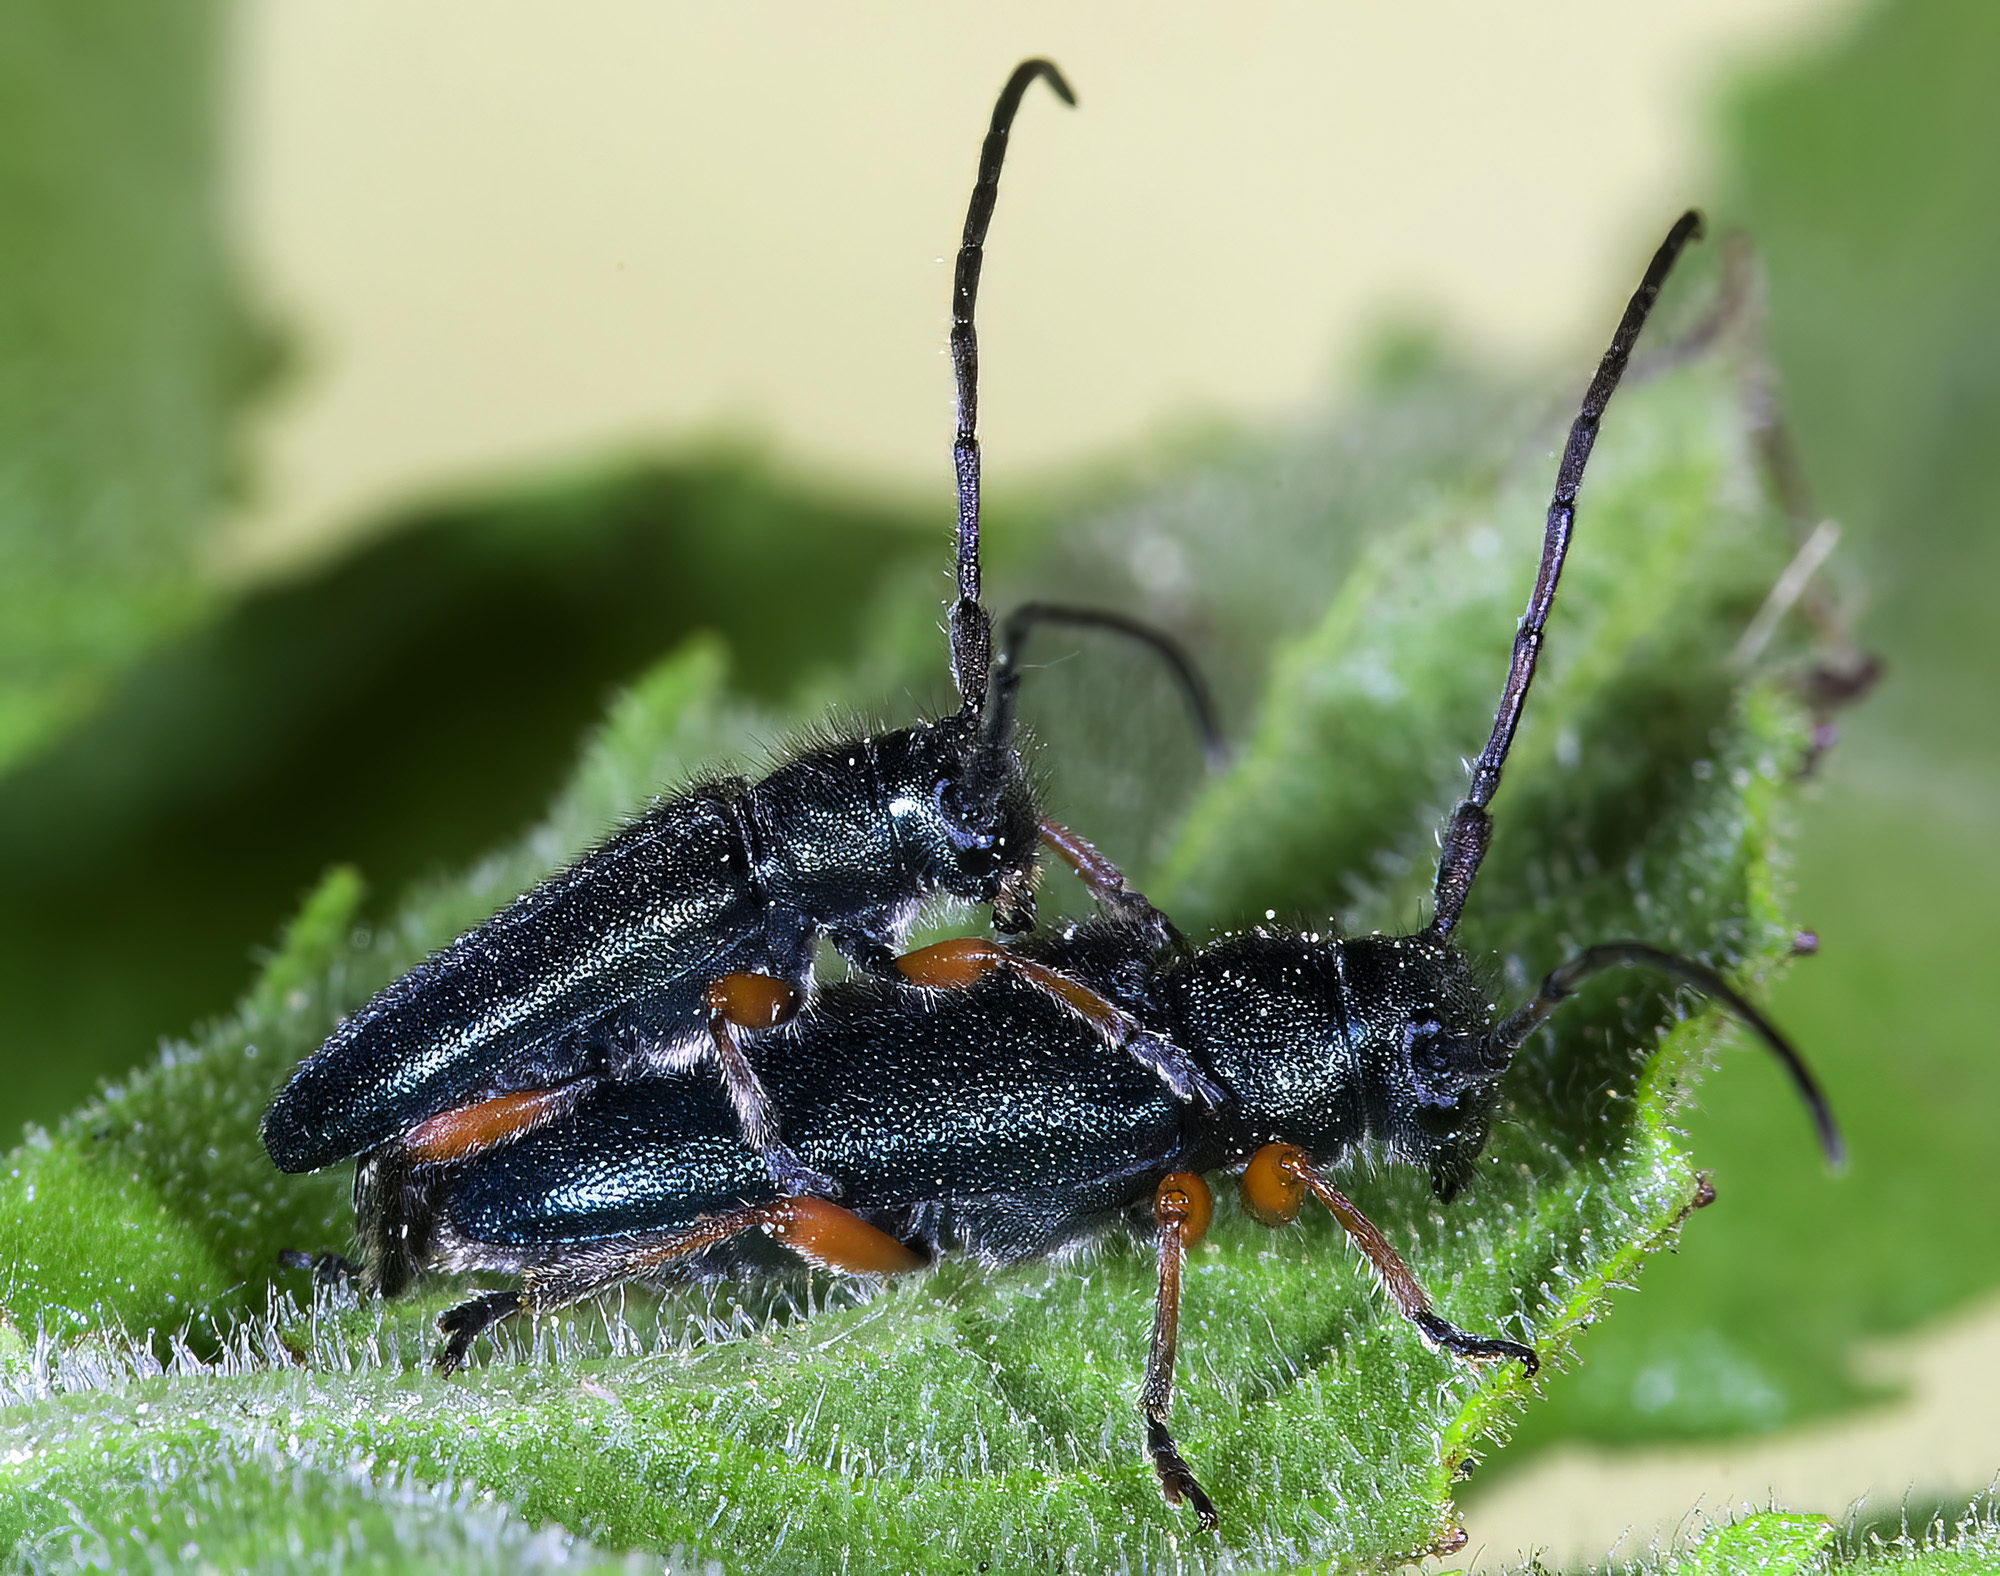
<point x="969" y="1106"/>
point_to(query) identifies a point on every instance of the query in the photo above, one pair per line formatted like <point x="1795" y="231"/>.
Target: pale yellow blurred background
<point x="507" y="234"/>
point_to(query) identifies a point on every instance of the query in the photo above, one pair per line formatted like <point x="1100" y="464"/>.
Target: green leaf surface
<point x="1776" y="1542"/>
<point x="1786" y="1543"/>
<point x="960" y="1418"/>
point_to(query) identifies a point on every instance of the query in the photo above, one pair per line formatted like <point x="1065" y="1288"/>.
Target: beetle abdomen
<point x="929" y="1128"/>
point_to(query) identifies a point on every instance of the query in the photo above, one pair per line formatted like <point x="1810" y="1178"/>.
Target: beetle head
<point x="1429" y="1067"/>
<point x="979" y="845"/>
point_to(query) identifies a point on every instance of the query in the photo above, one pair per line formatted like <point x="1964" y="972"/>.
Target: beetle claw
<point x="328" y="1269"/>
<point x="1462" y="1343"/>
<point x="1172" y="1066"/>
<point x="796" y="1177"/>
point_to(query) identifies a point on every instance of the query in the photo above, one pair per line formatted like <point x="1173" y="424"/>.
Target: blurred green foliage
<point x="122" y="352"/>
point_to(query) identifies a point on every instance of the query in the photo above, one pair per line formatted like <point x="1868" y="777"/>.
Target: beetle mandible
<point x="966" y="1107"/>
<point x="693" y="928"/>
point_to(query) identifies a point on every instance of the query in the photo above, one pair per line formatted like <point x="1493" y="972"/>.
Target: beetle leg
<point x="468" y="1321"/>
<point x="820" y="1232"/>
<point x="469" y="1130"/>
<point x="394" y="1212"/>
<point x="328" y="1269"/>
<point x="1274" y="1187"/>
<point x="1165" y="1060"/>
<point x="756" y="1002"/>
<point x="961" y="964"/>
<point x="1182" y="1209"/>
<point x="865" y="947"/>
<point x="1105" y="882"/>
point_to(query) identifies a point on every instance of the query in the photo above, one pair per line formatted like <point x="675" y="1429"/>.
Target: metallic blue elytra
<point x="950" y="1106"/>
<point x="603" y="970"/>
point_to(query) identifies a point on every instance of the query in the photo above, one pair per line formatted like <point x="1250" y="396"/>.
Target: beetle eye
<point x="1424" y="1045"/>
<point x="961" y="836"/>
<point x="1433" y="1068"/>
<point x="1444" y="1063"/>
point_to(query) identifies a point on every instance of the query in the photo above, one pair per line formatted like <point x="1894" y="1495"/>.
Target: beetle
<point x="695" y="926"/>
<point x="966" y="1106"/>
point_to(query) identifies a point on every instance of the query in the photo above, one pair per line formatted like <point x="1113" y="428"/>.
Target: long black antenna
<point x="1172" y="654"/>
<point x="1510" y="1035"/>
<point x="1470" y="827"/>
<point x="970" y="629"/>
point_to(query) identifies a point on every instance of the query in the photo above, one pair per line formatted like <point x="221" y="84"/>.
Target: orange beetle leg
<point x="838" y="1239"/>
<point x="952" y="965"/>
<point x="473" y="1129"/>
<point x="1272" y="1189"/>
<point x="1183" y="1207"/>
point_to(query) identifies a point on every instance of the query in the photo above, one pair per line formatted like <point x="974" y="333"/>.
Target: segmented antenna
<point x="1511" y="1034"/>
<point x="971" y="630"/>
<point x="1470" y="827"/>
<point x="1013" y="646"/>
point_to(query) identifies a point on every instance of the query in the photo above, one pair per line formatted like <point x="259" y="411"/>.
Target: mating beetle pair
<point x="541" y="1099"/>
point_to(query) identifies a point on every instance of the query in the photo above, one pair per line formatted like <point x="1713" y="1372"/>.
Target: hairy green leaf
<point x="1785" y="1543"/>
